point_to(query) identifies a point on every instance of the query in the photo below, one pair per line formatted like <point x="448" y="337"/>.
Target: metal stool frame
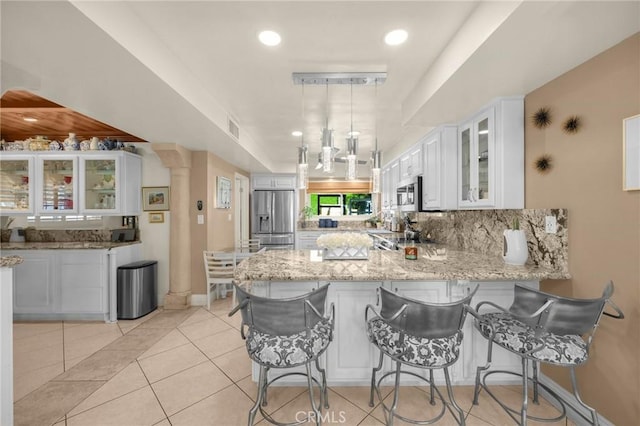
<point x="426" y="320"/>
<point x="286" y="317"/>
<point x="543" y="314"/>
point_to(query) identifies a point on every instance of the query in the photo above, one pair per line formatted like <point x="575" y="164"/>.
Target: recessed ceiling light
<point x="269" y="38"/>
<point x="296" y="133"/>
<point x="396" y="37"/>
<point x="30" y="119"/>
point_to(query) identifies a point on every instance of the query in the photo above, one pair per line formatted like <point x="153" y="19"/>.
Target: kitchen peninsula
<point x="439" y="274"/>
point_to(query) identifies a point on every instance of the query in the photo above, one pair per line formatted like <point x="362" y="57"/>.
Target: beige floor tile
<point x="27" y="382"/>
<point x="164" y="422"/>
<point x="37" y="342"/>
<point x="83" y="347"/>
<point x="462" y="394"/>
<point x="165" y="364"/>
<point x="200" y="315"/>
<point x="128" y="325"/>
<point x="61" y="423"/>
<point x="82" y="331"/>
<point x="512" y="397"/>
<point x="138" y="408"/>
<point x="126" y="381"/>
<point x="139" y="339"/>
<point x="221" y="307"/>
<point x="359" y="395"/>
<point x="50" y="402"/>
<point x="204" y="328"/>
<point x="235" y="364"/>
<point x="370" y="421"/>
<point x="234" y="321"/>
<point x="168" y="318"/>
<point x="221" y="343"/>
<point x="189" y="386"/>
<point x="37" y="358"/>
<point x="231" y="407"/>
<point x="172" y="340"/>
<point x="22" y="330"/>
<point x="102" y="365"/>
<point x="340" y="411"/>
<point x="277" y="396"/>
<point x="413" y="403"/>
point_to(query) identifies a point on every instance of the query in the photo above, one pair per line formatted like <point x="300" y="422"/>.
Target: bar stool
<point x="419" y="334"/>
<point x="284" y="333"/>
<point x="541" y="327"/>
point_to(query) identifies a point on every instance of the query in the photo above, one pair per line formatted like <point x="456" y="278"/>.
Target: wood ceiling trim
<point x="54" y="121"/>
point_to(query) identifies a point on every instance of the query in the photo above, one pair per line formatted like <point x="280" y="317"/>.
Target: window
<point x="348" y="204"/>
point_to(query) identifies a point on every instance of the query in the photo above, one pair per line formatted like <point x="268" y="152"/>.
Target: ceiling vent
<point x="234" y="129"/>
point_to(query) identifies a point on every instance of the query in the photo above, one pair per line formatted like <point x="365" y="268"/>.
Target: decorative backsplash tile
<point x="66" y="235"/>
<point x="482" y="230"/>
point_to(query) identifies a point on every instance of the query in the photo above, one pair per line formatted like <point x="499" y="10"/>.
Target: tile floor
<point x="182" y="368"/>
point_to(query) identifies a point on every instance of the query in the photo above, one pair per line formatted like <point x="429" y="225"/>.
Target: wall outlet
<point x="550" y="225"/>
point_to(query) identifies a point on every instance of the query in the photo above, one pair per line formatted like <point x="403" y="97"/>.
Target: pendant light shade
<point x="327" y="150"/>
<point x="375" y="171"/>
<point x="352" y="158"/>
<point x="303" y="168"/>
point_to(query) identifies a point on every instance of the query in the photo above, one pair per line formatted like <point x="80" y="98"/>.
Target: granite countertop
<point x="434" y="263"/>
<point x="67" y="245"/>
<point x="9" y="261"/>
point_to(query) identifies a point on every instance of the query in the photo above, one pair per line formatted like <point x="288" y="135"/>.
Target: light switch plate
<point x="550" y="224"/>
<point x="200" y="219"/>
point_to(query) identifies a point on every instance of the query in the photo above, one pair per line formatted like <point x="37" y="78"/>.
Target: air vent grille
<point x="234" y="130"/>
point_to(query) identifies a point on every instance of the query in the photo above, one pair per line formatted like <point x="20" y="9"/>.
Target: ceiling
<point x="178" y="71"/>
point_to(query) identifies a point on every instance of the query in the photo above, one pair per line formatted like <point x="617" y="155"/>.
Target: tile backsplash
<point x="482" y="231"/>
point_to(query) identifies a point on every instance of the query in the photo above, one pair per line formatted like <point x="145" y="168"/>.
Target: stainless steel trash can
<point x="137" y="289"/>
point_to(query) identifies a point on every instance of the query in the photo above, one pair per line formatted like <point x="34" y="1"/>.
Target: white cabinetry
<point x="271" y="181"/>
<point x="394" y="178"/>
<point x="491" y="157"/>
<point x="110" y="183"/>
<point x="351" y="356"/>
<point x="88" y="182"/>
<point x="306" y="240"/>
<point x="68" y="284"/>
<point x="17" y="185"/>
<point x="411" y="163"/>
<point x="440" y="169"/>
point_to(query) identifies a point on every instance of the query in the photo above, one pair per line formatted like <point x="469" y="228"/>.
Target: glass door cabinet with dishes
<point x="85" y="183"/>
<point x="17" y="184"/>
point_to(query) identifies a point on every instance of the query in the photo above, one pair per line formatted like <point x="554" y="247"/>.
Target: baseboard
<point x="198" y="300"/>
<point x="572" y="404"/>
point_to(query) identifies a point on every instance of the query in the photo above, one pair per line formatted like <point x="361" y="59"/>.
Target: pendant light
<point x="375" y="155"/>
<point x="327" y="141"/>
<point x="352" y="148"/>
<point x="303" y="164"/>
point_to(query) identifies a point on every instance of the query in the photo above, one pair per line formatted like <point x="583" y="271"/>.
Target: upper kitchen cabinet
<point x="56" y="179"/>
<point x="440" y="176"/>
<point x="411" y="163"/>
<point x="491" y="157"/>
<point x="390" y="185"/>
<point x="17" y="186"/>
<point x="271" y="181"/>
<point x="45" y="183"/>
<point x="111" y="183"/>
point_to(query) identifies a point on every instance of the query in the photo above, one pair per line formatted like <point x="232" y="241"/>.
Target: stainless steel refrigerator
<point x="273" y="218"/>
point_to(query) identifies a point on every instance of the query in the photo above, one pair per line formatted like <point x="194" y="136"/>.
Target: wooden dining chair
<point x="218" y="271"/>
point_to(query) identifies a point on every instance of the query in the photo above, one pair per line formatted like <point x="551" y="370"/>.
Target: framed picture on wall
<point x="157" y="217"/>
<point x="155" y="198"/>
<point x="223" y="192"/>
<point x="631" y="154"/>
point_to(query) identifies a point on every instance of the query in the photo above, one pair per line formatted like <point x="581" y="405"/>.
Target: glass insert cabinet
<point x="16" y="184"/>
<point x="84" y="183"/>
<point x="476" y="161"/>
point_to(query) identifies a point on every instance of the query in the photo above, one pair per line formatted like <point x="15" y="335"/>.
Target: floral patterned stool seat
<point x="417" y="334"/>
<point x="284" y="333"/>
<point x="541" y="327"/>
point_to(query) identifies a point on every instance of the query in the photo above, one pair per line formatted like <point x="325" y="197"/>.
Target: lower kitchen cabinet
<point x="68" y="284"/>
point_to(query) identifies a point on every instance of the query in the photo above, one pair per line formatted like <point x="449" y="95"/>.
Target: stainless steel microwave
<point x="409" y="195"/>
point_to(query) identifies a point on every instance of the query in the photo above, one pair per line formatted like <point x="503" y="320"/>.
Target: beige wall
<point x="218" y="230"/>
<point x="604" y="230"/>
